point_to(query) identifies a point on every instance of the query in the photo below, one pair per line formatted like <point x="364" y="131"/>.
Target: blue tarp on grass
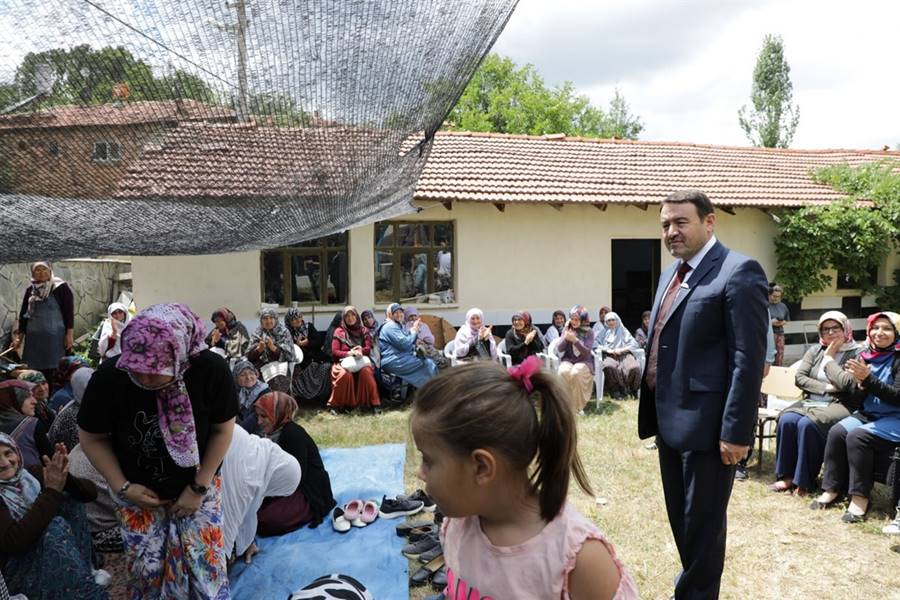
<point x="370" y="554"/>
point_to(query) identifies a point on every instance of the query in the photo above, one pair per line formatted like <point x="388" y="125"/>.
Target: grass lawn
<point x="777" y="547"/>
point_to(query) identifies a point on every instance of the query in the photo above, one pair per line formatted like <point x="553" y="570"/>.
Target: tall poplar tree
<point x="773" y="119"/>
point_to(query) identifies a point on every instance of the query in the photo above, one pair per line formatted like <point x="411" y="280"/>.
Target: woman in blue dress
<point x="398" y="347"/>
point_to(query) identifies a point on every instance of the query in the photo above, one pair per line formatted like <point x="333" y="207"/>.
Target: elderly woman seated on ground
<point x="523" y="339"/>
<point x="41" y="393"/>
<point x="250" y="387"/>
<point x="64" y="371"/>
<point x="830" y="395"/>
<point x="43" y="532"/>
<point x="65" y="427"/>
<point x="862" y="443"/>
<point x="313" y="499"/>
<point x="229" y="335"/>
<point x="17" y="418"/>
<point x="398" y="349"/>
<point x="255" y="468"/>
<point x="621" y="370"/>
<point x="272" y="343"/>
<point x="474" y="341"/>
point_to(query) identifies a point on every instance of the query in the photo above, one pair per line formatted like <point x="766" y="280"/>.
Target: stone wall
<point x="94" y="284"/>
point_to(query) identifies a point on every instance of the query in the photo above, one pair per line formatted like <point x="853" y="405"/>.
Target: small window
<point x="414" y="262"/>
<point x="310" y="272"/>
<point x="105" y="152"/>
<point x="857" y="280"/>
<point x="23" y="145"/>
<point x="53" y="149"/>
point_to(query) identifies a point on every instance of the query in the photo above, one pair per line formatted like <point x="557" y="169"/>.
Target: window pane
<point x="413" y="275"/>
<point x="443" y="272"/>
<point x="114" y="153"/>
<point x="337" y="277"/>
<point x="384" y="234"/>
<point x="100" y="151"/>
<point x="305" y="269"/>
<point x="384" y="276"/>
<point x="443" y="234"/>
<point x="273" y="278"/>
<point x="412" y="234"/>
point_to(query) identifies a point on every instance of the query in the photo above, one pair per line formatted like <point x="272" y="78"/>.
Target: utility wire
<point x="157" y="42"/>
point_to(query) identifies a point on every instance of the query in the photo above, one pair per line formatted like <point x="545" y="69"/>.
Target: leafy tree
<point x="772" y="121"/>
<point x="853" y="235"/>
<point x="8" y="94"/>
<point x="503" y="97"/>
<point x="85" y="75"/>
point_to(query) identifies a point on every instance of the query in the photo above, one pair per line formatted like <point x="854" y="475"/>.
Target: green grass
<point x="777" y="547"/>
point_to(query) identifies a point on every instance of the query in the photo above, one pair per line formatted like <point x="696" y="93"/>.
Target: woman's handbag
<point x="352" y="364"/>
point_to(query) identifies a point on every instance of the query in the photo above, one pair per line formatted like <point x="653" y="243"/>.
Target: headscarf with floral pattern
<point x="160" y="341"/>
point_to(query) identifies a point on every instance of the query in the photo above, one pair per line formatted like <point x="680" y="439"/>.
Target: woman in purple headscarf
<point x="156" y="422"/>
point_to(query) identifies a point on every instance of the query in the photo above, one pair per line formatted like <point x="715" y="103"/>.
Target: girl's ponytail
<point x="557" y="446"/>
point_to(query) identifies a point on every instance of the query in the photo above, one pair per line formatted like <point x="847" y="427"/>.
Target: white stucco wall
<point x="529" y="256"/>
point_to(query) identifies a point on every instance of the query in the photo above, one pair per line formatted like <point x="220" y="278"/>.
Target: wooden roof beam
<point x="500" y="206"/>
<point x="601" y="206"/>
<point x="448" y="204"/>
<point x="728" y="209"/>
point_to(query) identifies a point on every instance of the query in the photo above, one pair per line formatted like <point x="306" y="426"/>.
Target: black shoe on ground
<point x="420" y="496"/>
<point x="391" y="508"/>
<point x="420" y="577"/>
<point x="416" y="549"/>
<point x="439" y="579"/>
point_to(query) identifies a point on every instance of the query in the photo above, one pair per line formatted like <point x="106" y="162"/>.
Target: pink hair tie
<point x="523" y="372"/>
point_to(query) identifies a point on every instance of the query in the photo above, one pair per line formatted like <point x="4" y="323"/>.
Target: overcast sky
<point x="685" y="66"/>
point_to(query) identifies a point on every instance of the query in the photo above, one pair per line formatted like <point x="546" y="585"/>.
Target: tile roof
<point x="557" y="169"/>
<point x="203" y="160"/>
<point x="108" y="115"/>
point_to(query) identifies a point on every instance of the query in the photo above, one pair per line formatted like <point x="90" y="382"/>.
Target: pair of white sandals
<point x="356" y="513"/>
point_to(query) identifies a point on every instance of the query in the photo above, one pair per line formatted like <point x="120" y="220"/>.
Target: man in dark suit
<point x="701" y="384"/>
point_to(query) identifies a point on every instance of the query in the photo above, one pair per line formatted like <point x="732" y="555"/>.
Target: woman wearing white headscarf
<point x="117" y="318"/>
<point x="254" y="469"/>
<point x="474" y="341"/>
<point x="621" y="370"/>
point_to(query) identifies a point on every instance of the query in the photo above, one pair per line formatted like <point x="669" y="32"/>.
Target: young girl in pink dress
<point x="498" y="449"/>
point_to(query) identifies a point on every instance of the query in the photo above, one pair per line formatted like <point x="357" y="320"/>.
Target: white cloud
<point x="686" y="67"/>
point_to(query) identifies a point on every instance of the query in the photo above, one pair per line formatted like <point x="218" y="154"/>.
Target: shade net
<point x="159" y="127"/>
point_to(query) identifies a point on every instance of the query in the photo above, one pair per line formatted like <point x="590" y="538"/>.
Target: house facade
<point x="517" y="222"/>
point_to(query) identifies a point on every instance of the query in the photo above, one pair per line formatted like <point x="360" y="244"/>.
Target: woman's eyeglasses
<point x="835" y="329"/>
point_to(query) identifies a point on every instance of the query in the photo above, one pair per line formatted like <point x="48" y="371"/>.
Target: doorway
<point x="635" y="274"/>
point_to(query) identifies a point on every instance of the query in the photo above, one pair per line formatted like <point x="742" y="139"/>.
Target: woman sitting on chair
<point x="621" y="369"/>
<point x="474" y="341"/>
<point x="398" y="349"/>
<point x="555" y="330"/>
<point x="425" y="338"/>
<point x="352" y="375"/>
<point x="831" y="394"/>
<point x="523" y="340"/>
<point x="576" y="365"/>
<point x="862" y="443"/>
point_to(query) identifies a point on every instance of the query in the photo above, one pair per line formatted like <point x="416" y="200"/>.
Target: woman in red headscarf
<point x="352" y="376"/>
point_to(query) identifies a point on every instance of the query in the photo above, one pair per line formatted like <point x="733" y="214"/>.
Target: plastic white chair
<point x="550" y="358"/>
<point x="298" y="358"/>
<point x="450" y="353"/>
<point x="599" y="376"/>
<point x="502" y="357"/>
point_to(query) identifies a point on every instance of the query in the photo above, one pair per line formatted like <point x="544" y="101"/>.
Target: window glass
<point x="384" y="234"/>
<point x="415" y="264"/>
<point x="273" y="289"/>
<point x="337" y="277"/>
<point x="384" y="276"/>
<point x="310" y="272"/>
<point x="306" y="272"/>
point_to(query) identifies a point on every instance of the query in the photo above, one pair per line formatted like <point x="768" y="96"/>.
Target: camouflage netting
<point x="153" y="127"/>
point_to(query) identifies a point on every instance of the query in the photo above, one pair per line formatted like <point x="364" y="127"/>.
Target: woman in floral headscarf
<point x="830" y="395"/>
<point x="46" y="320"/>
<point x="45" y="540"/>
<point x="352" y="375"/>
<point x="576" y="365"/>
<point x="41" y="393"/>
<point x="863" y="443"/>
<point x="156" y="422"/>
<point x="272" y="343"/>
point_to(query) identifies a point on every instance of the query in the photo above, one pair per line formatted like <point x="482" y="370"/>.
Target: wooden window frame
<point x="430" y="249"/>
<point x="109" y="146"/>
<point x="321" y="251"/>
